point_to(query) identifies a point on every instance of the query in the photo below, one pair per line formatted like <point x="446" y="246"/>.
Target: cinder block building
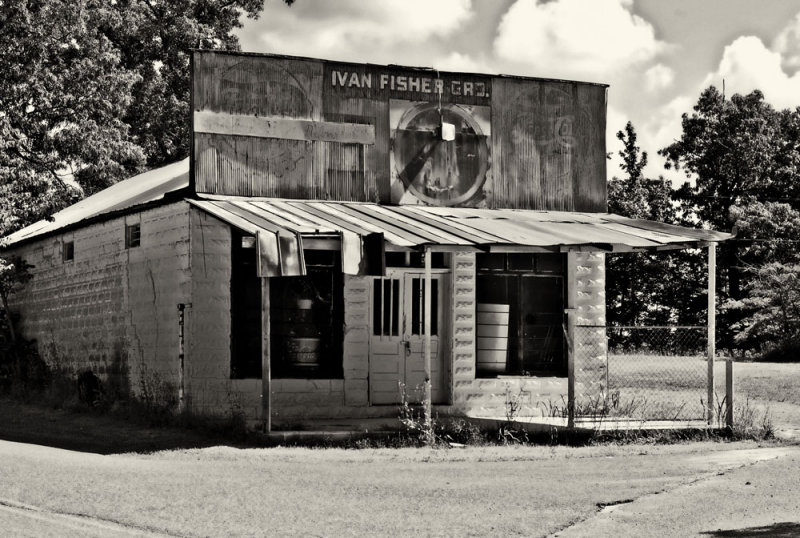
<point x="344" y="236"/>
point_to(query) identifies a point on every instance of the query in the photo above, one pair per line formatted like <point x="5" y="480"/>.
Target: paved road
<point x="20" y="520"/>
<point x="759" y="498"/>
<point x="735" y="492"/>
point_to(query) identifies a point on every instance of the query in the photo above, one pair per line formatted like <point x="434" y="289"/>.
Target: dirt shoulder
<point x="90" y="432"/>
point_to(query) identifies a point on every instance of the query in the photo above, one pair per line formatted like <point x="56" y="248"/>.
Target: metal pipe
<point x="427" y="317"/>
<point x="712" y="315"/>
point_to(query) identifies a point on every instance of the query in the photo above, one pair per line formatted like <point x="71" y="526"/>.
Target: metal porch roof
<point x="415" y="226"/>
<point x="136" y="190"/>
<point x="282" y="224"/>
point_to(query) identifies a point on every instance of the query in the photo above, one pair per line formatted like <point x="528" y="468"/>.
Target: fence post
<point x="712" y="315"/>
<point x="729" y="392"/>
<point x="572" y="266"/>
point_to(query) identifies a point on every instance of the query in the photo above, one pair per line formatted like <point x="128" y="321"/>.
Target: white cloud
<point x="456" y="61"/>
<point x="747" y="64"/>
<point x="353" y="29"/>
<point x="576" y="38"/>
<point x="787" y="44"/>
<point x="658" y="77"/>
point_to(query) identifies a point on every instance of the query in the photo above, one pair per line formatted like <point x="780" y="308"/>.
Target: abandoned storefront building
<point x="340" y="233"/>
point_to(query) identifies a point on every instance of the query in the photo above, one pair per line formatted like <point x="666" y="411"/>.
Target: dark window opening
<point x="539" y="263"/>
<point x="133" y="236"/>
<point x="307" y="318"/>
<point x="245" y="308"/>
<point x="414" y="259"/>
<point x="68" y="251"/>
<point x="520" y="315"/>
<point x="386" y="307"/>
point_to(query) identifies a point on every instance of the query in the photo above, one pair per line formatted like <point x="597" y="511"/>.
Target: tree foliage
<point x="63" y="93"/>
<point x="13" y="275"/>
<point x="768" y="313"/>
<point x="644" y="288"/>
<point x="92" y="91"/>
<point x="744" y="159"/>
<point x="773" y="309"/>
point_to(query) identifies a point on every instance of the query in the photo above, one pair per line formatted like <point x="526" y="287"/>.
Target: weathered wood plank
<point x="286" y="128"/>
<point x="250" y="166"/>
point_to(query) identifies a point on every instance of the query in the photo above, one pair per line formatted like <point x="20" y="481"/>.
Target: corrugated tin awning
<point x="282" y="225"/>
<point x="363" y="230"/>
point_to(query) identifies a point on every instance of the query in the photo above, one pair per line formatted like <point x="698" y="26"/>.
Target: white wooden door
<point x="397" y="344"/>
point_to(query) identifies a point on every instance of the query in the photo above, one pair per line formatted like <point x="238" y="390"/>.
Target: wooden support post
<point x="572" y="269"/>
<point x="266" y="373"/>
<point x="712" y="316"/>
<point x="427" y="365"/>
<point x="729" y="388"/>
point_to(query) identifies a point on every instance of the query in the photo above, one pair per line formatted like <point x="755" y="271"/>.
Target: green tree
<point x="154" y="39"/>
<point x="771" y="324"/>
<point x="63" y="92"/>
<point x="737" y="151"/>
<point x="643" y="288"/>
<point x="13" y="276"/>
<point x="93" y="91"/>
<point x="768" y="314"/>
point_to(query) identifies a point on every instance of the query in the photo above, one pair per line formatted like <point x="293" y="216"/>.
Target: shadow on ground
<point x="777" y="530"/>
<point x="91" y="432"/>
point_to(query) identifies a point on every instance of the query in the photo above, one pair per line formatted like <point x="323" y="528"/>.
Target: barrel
<point x="492" y="327"/>
<point x="302" y="352"/>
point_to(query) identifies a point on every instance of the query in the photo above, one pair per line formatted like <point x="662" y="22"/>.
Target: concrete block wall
<point x="536" y="396"/>
<point x="75" y="310"/>
<point x="158" y="279"/>
<point x="590" y="332"/>
<point x="110" y="310"/>
<point x="208" y="382"/>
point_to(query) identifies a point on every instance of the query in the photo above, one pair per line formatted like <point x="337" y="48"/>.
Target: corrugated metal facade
<point x="544" y="140"/>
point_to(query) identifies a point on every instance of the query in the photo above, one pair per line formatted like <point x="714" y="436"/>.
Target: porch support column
<point x="427" y="364"/>
<point x="712" y="320"/>
<point x="266" y="374"/>
<point x="572" y="269"/>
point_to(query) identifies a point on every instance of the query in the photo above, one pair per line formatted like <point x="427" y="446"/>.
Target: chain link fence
<point x="641" y="373"/>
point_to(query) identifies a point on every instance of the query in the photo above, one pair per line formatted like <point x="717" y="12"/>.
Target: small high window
<point x="68" y="251"/>
<point x="133" y="236"/>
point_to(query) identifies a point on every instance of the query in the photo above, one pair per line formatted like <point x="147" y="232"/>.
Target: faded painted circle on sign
<point x="436" y="171"/>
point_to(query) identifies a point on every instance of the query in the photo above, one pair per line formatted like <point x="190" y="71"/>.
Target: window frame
<point x="133" y="235"/>
<point x="68" y="251"/>
<point x="521" y="325"/>
<point x="317" y="329"/>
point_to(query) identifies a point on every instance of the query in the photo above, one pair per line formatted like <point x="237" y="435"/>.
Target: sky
<point x="656" y="55"/>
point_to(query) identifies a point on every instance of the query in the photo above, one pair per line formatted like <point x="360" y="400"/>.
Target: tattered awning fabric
<point x="281" y="225"/>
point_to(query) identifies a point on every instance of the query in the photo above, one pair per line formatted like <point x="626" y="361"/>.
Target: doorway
<point x="397" y="340"/>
